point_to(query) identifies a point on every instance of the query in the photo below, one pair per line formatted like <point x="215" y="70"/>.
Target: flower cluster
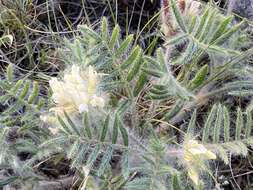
<point x="76" y="92"/>
<point x="194" y="155"/>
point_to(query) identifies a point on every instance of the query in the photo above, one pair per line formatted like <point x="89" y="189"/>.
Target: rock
<point x="243" y="8"/>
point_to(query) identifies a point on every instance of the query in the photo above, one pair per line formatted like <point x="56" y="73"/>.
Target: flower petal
<point x="210" y="155"/>
<point x="193" y="175"/>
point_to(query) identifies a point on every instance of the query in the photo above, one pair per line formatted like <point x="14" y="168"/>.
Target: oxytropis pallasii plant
<point x="123" y="119"/>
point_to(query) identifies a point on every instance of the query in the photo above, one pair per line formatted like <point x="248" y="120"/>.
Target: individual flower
<point x="194" y="154"/>
<point x="77" y="91"/>
<point x="193" y="149"/>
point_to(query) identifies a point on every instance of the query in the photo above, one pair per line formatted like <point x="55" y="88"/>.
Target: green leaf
<point x="226" y="120"/>
<point x="208" y="123"/>
<point x="222" y="51"/>
<point x="131" y="58"/>
<point x="34" y="93"/>
<point x="193" y="24"/>
<point x="176" y="182"/>
<point x="78" y="158"/>
<point x="114" y="37"/>
<point x="125" y="165"/>
<point x="86" y="125"/>
<point x="123" y="105"/>
<point x="63" y="124"/>
<point x="228" y="34"/>
<point x="25" y="89"/>
<point x="73" y="150"/>
<point x="124" y="134"/>
<point x="40" y="103"/>
<point x="192" y="124"/>
<point x="199" y="77"/>
<point x="124" y="45"/>
<point x="93" y="156"/>
<point x="16" y="87"/>
<point x="217" y="126"/>
<point x="174" y="110"/>
<point x="178" y="15"/>
<point x="140" y="83"/>
<point x="86" y="30"/>
<point x="71" y="124"/>
<point x="161" y="58"/>
<point x="248" y="124"/>
<point x="10" y="73"/>
<point x="176" y="40"/>
<point x="188" y="54"/>
<point x="156" y="90"/>
<point x="135" y="67"/>
<point x="159" y="96"/>
<point x="152" y="72"/>
<point x="239" y="124"/>
<point x="115" y="128"/>
<point x="105" y="128"/>
<point x="221" y="29"/>
<point x="104" y="29"/>
<point x="208" y="24"/>
<point x="105" y="160"/>
<point x="203" y="20"/>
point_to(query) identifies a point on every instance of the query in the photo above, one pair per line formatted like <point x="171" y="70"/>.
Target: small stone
<point x="244" y="8"/>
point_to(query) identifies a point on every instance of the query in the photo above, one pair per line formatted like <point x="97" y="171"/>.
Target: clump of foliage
<point x="127" y="120"/>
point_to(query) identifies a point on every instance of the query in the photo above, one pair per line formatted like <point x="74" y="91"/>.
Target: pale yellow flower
<point x="193" y="150"/>
<point x="77" y="91"/>
<point x="194" y="175"/>
<point x="195" y="154"/>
